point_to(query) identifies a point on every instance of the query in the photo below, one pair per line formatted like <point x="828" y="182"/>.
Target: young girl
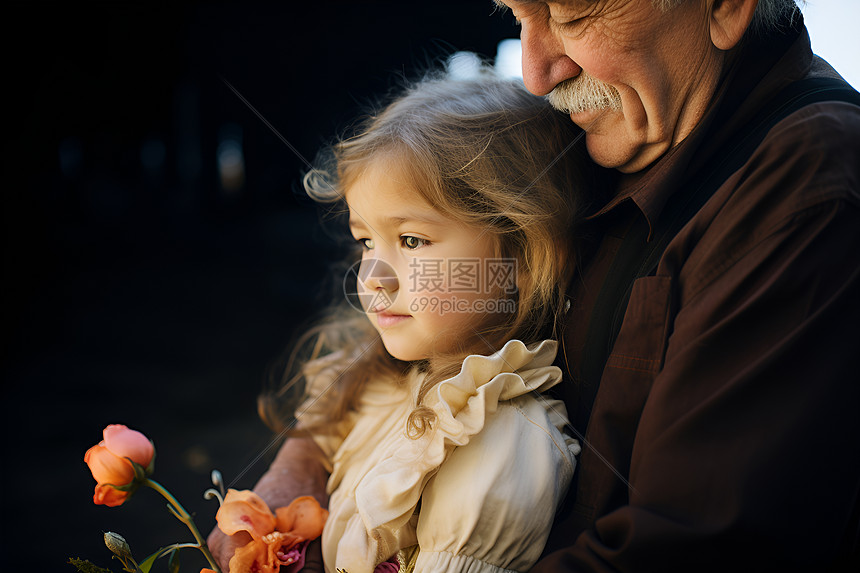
<point x="444" y="455"/>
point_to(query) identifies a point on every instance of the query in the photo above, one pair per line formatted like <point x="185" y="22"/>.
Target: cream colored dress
<point x="477" y="493"/>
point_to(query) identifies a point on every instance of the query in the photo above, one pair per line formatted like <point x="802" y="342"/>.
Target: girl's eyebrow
<point x="397" y="220"/>
<point x="420" y="217"/>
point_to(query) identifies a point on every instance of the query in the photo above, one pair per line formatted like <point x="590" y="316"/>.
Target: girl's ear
<point x="729" y="21"/>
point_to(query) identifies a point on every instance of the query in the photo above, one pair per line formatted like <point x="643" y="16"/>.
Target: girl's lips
<point x="386" y="319"/>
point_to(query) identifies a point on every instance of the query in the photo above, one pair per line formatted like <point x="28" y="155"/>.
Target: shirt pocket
<point x="635" y="360"/>
<point x="641" y="342"/>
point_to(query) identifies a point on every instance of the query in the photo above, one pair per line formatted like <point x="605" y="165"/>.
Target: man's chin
<point x="612" y="151"/>
<point x="607" y="151"/>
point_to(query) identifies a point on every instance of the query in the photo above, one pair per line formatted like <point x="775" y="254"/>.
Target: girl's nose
<point x="545" y="62"/>
<point x="376" y="274"/>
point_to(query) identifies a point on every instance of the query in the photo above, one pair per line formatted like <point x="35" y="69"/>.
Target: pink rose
<point x="111" y="463"/>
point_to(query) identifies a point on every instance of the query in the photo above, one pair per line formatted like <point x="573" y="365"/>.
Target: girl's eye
<point x="411" y="242"/>
<point x="367" y="244"/>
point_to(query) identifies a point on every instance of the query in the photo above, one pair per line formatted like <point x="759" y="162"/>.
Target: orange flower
<point x="207" y="570"/>
<point x="112" y="463"/>
<point x="276" y="540"/>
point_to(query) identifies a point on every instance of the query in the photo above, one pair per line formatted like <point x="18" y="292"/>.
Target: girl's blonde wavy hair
<point x="484" y="152"/>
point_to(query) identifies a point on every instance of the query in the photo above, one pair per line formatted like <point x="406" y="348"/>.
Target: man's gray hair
<point x="768" y="13"/>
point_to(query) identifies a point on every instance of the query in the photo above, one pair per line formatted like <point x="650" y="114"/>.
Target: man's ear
<point x="729" y="20"/>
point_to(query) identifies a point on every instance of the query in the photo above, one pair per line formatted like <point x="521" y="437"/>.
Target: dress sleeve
<point x="491" y="504"/>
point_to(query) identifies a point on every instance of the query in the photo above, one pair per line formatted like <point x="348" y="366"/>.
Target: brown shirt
<point x="725" y="432"/>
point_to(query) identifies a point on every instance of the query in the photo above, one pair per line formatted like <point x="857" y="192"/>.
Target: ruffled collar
<point x="387" y="496"/>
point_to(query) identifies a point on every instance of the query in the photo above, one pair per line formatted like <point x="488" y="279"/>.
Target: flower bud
<point x="118" y="545"/>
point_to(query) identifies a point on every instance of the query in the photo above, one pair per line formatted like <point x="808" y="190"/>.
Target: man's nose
<point x="545" y="62"/>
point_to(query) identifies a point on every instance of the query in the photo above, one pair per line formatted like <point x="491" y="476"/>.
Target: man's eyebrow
<point x="501" y="6"/>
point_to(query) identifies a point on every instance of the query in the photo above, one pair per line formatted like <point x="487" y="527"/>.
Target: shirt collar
<point x="763" y="66"/>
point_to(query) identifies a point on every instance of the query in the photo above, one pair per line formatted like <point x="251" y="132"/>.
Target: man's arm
<point x="297" y="470"/>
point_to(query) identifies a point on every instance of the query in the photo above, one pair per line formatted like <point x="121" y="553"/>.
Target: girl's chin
<point x="400" y="351"/>
<point x="399" y="354"/>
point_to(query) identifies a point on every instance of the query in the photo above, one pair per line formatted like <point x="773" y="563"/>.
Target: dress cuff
<point x="445" y="561"/>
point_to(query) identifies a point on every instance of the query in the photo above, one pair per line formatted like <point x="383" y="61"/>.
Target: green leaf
<point x="173" y="562"/>
<point x="130" y="487"/>
<point x="150" y="469"/>
<point x="139" y="471"/>
<point x="146" y="564"/>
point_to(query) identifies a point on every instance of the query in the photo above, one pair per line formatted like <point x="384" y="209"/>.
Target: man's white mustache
<point x="584" y="93"/>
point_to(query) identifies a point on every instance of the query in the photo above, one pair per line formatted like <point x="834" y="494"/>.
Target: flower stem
<point x="185" y="518"/>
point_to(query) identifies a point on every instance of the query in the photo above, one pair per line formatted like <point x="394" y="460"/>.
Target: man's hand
<point x="297" y="470"/>
<point x="223" y="546"/>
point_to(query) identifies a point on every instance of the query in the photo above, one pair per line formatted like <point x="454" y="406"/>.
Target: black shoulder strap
<point x="639" y="257"/>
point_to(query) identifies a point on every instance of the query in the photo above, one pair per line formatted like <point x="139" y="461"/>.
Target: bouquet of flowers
<point x="124" y="461"/>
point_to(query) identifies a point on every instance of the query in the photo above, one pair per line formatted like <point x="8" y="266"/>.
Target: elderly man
<point x="721" y="426"/>
<point x="712" y="334"/>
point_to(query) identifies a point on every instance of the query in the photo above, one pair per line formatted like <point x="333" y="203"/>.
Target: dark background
<point x="140" y="289"/>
